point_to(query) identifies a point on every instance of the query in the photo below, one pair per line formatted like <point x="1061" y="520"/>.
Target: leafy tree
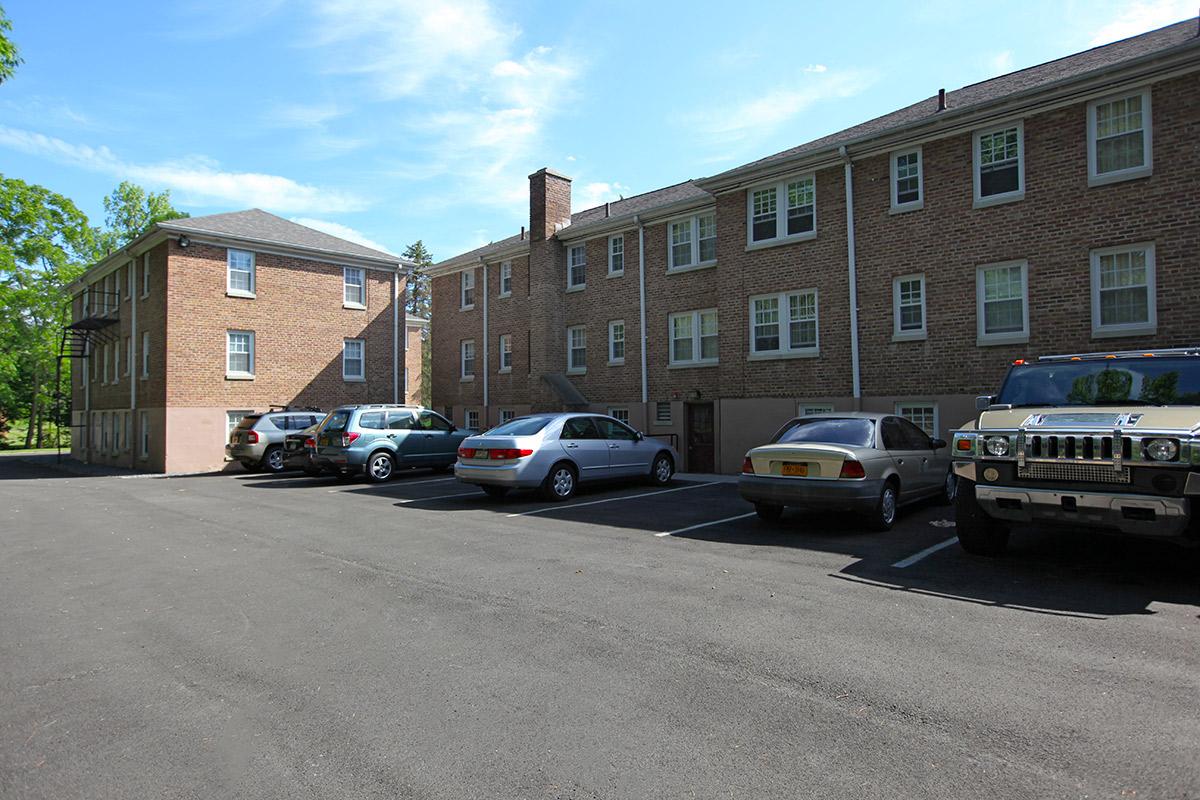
<point x="418" y="305"/>
<point x="130" y="211"/>
<point x="9" y="58"/>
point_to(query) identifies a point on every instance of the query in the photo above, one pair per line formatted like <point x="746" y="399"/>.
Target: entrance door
<point x="700" y="437"/>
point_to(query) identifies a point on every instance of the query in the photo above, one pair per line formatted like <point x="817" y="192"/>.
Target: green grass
<point x="14" y="437"/>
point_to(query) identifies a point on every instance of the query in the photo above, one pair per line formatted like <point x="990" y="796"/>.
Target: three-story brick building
<point x="897" y="266"/>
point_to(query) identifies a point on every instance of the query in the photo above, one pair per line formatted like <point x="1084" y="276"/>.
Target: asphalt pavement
<point x="251" y="636"/>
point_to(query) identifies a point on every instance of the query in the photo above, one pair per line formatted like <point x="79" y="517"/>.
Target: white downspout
<point x="131" y="356"/>
<point x="396" y="340"/>
<point x="642" y="310"/>
<point x="486" y="339"/>
<point x="848" y="168"/>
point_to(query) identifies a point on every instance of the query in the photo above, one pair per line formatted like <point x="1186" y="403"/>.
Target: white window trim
<point x="512" y="414"/>
<point x="937" y="418"/>
<point x="235" y="375"/>
<point x="463" y="376"/>
<point x="146" y="275"/>
<point x="577" y="370"/>
<point x="1007" y="197"/>
<point x="348" y="303"/>
<point x="1015" y="337"/>
<point x="1147" y="328"/>
<point x="694" y="221"/>
<point x="785" y="328"/>
<point x="144" y="434"/>
<point x="145" y="355"/>
<point x="616" y="362"/>
<point x="467" y="414"/>
<point x="695" y="360"/>
<point x="362" y="376"/>
<point x="616" y="273"/>
<point x="505" y="267"/>
<point x="577" y="287"/>
<point x="466" y="276"/>
<point x="912" y="205"/>
<point x="914" y="335"/>
<point x="804" y="409"/>
<point x="623" y="409"/>
<point x="504" y="337"/>
<point x="229" y="290"/>
<point x="129" y="355"/>
<point x="1130" y="173"/>
<point x="780" y="187"/>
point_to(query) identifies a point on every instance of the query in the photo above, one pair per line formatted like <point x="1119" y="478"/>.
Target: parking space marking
<point x="439" y="497"/>
<point x="928" y="551"/>
<point x="612" y="499"/>
<point x="706" y="524"/>
<point x="429" y="480"/>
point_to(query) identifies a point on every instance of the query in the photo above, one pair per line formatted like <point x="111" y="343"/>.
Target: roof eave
<point x="339" y="256"/>
<point x="458" y="263"/>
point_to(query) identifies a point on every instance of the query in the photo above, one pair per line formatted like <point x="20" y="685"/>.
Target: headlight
<point x="997" y="445"/>
<point x="1162" y="449"/>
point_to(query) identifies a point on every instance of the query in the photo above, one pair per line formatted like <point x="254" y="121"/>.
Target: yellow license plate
<point x="795" y="470"/>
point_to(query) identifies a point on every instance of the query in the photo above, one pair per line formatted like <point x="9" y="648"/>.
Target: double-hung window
<point x="130" y="279"/>
<point x="576" y="267"/>
<point x="104" y="379"/>
<point x="354" y="287"/>
<point x="144" y="429"/>
<point x="505" y="278"/>
<point x="466" y="360"/>
<point x="467" y="290"/>
<point x="240" y="280"/>
<point x="353" y="360"/>
<point x="117" y="361"/>
<point x="146" y="275"/>
<point x="1123" y="291"/>
<point x="505" y="352"/>
<point x="784" y="211"/>
<point x="908" y="307"/>
<point x="908" y="189"/>
<point x="1002" y="303"/>
<point x="616" y="255"/>
<point x="784" y="324"/>
<point x="619" y="414"/>
<point x="923" y="414"/>
<point x="577" y="349"/>
<point x="239" y="354"/>
<point x="145" y="354"/>
<point x="692" y="242"/>
<point x="693" y="338"/>
<point x="616" y="342"/>
<point x="999" y="164"/>
<point x="129" y="355"/>
<point x="1119" y="142"/>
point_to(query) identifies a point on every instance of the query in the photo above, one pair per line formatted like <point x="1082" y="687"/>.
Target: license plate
<point x="324" y="441"/>
<point x="795" y="470"/>
<point x="484" y="454"/>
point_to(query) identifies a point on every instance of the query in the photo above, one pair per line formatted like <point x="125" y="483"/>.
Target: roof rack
<point x="275" y="408"/>
<point x="1173" y="351"/>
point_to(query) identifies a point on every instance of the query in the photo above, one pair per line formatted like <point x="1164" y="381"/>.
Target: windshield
<point x="336" y="422"/>
<point x="522" y="426"/>
<point x="1159" y="381"/>
<point x="852" y="431"/>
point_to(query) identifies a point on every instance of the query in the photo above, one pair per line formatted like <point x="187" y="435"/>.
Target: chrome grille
<point x="1067" y="471"/>
<point x="1075" y="446"/>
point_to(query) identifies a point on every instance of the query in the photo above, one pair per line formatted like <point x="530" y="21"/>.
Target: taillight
<point x="509" y="453"/>
<point x="348" y="439"/>
<point x="466" y="452"/>
<point x="852" y="469"/>
<point x="251" y="437"/>
<point x="747" y="466"/>
<point x="310" y="442"/>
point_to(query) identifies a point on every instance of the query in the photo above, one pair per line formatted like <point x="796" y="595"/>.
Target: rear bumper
<point x="513" y="476"/>
<point x="339" y="460"/>
<point x="1138" y="515"/>
<point x="246" y="453"/>
<point x="823" y="494"/>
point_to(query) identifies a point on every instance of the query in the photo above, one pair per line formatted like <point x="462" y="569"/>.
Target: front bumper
<point x="513" y="476"/>
<point x="820" y="494"/>
<point x="1139" y="515"/>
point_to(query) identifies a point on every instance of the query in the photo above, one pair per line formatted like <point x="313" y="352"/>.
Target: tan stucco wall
<point x="195" y="440"/>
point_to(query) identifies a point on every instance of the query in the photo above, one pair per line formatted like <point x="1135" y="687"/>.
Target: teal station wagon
<point x="376" y="440"/>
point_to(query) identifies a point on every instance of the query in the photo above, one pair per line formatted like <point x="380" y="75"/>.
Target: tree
<point x="9" y="58"/>
<point x="418" y="306"/>
<point x="130" y="211"/>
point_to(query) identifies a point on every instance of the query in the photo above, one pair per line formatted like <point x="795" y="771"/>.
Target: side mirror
<point x="640" y="435"/>
<point x="984" y="402"/>
<point x="937" y="444"/>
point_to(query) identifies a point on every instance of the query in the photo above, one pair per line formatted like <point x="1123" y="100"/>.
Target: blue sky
<point x="388" y="121"/>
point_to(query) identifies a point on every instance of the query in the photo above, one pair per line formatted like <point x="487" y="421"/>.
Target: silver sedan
<point x="862" y="462"/>
<point x="557" y="452"/>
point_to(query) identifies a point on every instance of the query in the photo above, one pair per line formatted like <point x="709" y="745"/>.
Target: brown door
<point x="700" y="437"/>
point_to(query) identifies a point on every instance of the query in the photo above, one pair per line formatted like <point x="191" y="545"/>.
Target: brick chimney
<point x="549" y="203"/>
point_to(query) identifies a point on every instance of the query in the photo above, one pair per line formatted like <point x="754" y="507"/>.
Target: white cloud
<point x="1000" y="63"/>
<point x="1142" y="16"/>
<point x="591" y="195"/>
<point x="816" y="68"/>
<point x="341" y="231"/>
<point x="762" y="115"/>
<point x="196" y="180"/>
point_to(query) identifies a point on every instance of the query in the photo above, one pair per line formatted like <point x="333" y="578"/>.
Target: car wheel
<point x="949" y="488"/>
<point x="978" y="533"/>
<point x="883" y="517"/>
<point x="380" y="467"/>
<point x="768" y="512"/>
<point x="496" y="492"/>
<point x="662" y="470"/>
<point x="272" y="460"/>
<point x="560" y="484"/>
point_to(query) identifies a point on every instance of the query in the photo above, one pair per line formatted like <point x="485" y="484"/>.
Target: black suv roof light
<point x="1175" y="351"/>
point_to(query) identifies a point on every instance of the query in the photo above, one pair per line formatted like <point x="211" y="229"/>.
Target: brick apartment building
<point x="201" y="321"/>
<point x="899" y="265"/>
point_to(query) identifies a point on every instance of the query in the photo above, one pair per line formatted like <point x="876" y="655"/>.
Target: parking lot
<point x="244" y="635"/>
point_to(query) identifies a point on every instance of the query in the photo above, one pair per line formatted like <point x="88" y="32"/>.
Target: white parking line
<point x="612" y="499"/>
<point x="407" y="483"/>
<point x="439" y="497"/>
<point x="706" y="524"/>
<point x="928" y="551"/>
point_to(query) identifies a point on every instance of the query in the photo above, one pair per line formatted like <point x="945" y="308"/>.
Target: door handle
<point x="614" y="446"/>
<point x="899" y="460"/>
<point x="571" y="445"/>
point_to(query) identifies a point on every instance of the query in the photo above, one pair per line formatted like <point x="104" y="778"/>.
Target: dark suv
<point x="376" y="440"/>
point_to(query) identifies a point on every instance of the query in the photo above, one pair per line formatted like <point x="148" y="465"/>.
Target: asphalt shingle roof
<point x="258" y="224"/>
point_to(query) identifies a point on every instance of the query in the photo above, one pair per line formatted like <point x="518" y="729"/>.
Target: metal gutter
<point x="852" y="268"/>
<point x="642" y="307"/>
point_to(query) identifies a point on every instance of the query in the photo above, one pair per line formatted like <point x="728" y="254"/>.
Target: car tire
<point x="272" y="460"/>
<point x="380" y="467"/>
<point x="949" y="488"/>
<point x="978" y="533"/>
<point x="495" y="492"/>
<point x="662" y="469"/>
<point x="768" y="512"/>
<point x="883" y="515"/>
<point x="561" y="482"/>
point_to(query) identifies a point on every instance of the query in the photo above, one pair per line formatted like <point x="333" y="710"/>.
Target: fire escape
<point x="95" y="327"/>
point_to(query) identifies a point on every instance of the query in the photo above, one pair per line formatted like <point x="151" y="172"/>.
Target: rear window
<point x="854" y="432"/>
<point x="372" y="420"/>
<point x="336" y="421"/>
<point x="248" y="422"/>
<point x="521" y="426"/>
